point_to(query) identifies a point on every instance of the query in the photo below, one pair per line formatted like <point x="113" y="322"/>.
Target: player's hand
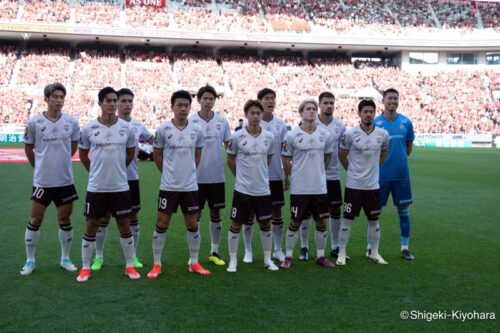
<point x="286" y="184"/>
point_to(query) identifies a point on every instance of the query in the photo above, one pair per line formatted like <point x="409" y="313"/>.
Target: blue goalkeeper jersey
<point x="400" y="131"/>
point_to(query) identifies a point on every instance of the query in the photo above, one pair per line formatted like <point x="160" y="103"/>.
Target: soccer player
<point x="211" y="188"/>
<point x="274" y="124"/>
<point x="240" y="125"/>
<point x="366" y="146"/>
<point x="248" y="156"/>
<point x="50" y="140"/>
<point x="394" y="173"/>
<point x="111" y="144"/>
<point x="178" y="148"/>
<point x="306" y="154"/>
<point x="125" y="105"/>
<point x="336" y="127"/>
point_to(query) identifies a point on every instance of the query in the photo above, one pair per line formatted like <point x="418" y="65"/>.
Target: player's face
<point x="269" y="102"/>
<point x="367" y="114"/>
<point x="55" y="101"/>
<point x="326" y="106"/>
<point x="108" y="104"/>
<point x="391" y="101"/>
<point x="254" y="116"/>
<point x="181" y="108"/>
<point x="125" y="104"/>
<point x="207" y="102"/>
<point x="309" y="113"/>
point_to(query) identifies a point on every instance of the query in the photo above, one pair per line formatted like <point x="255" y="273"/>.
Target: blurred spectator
<point x="98" y="12"/>
<point x="8" y="9"/>
<point x="46" y="11"/>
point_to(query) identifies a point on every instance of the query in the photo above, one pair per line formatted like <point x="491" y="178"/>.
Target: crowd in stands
<point x="353" y="17"/>
<point x="457" y="101"/>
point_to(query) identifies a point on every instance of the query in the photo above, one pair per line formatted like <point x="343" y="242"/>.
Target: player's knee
<point x="265" y="226"/>
<point x="294" y="225"/>
<point x="235" y="228"/>
<point x="403" y="210"/>
<point x="64" y="220"/>
<point x="321" y="227"/>
<point x="372" y="218"/>
<point x="35" y="221"/>
<point x="335" y="212"/>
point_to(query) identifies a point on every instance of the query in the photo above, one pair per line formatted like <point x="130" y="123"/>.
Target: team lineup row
<point x="187" y="152"/>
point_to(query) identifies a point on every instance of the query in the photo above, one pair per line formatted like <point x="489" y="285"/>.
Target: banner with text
<point x="148" y="3"/>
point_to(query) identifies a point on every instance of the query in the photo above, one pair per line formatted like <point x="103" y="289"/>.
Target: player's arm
<point x="197" y="156"/>
<point x="328" y="158"/>
<point x="130" y="156"/>
<point x="269" y="159"/>
<point x="383" y="155"/>
<point x="74" y="147"/>
<point x="30" y="154"/>
<point x="231" y="163"/>
<point x="409" y="147"/>
<point x="84" y="158"/>
<point x="343" y="158"/>
<point x="287" y="167"/>
<point x="158" y="158"/>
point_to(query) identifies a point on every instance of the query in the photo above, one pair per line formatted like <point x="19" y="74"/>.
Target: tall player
<point x="366" y="146"/>
<point x="111" y="144"/>
<point x="210" y="172"/>
<point x="275" y="125"/>
<point x="394" y="173"/>
<point x="336" y="127"/>
<point x="306" y="154"/>
<point x="50" y="141"/>
<point x="125" y="105"/>
<point x="248" y="157"/>
<point x="177" y="152"/>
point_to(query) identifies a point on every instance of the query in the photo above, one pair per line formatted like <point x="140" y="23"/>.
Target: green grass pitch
<point x="455" y="238"/>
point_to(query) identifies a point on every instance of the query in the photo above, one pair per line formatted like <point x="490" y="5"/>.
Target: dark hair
<point x="180" y="94"/>
<point x="253" y="102"/>
<point x="104" y="91"/>
<point x="240" y="119"/>
<point x="390" y="90"/>
<point x="206" y="89"/>
<point x="366" y="102"/>
<point x="326" y="94"/>
<point x="50" y="88"/>
<point x="125" y="91"/>
<point x="264" y="92"/>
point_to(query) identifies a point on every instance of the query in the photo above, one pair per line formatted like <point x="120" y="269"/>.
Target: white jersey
<point x="52" y="148"/>
<point x="216" y="132"/>
<point x="336" y="129"/>
<point x="364" y="156"/>
<point x="179" y="165"/>
<point x="308" y="152"/>
<point x="108" y="152"/>
<point x="252" y="171"/>
<point x="278" y="128"/>
<point x="142" y="133"/>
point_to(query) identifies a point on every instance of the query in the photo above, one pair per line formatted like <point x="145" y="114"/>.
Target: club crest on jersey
<point x="321" y="138"/>
<point x="66" y="127"/>
<point x="170" y="136"/>
<point x="122" y="132"/>
<point x="379" y="140"/>
<point x="97" y="133"/>
<point x="43" y="129"/>
<point x="244" y="143"/>
<point x="192" y="136"/>
<point x="219" y="127"/>
<point x="379" y="122"/>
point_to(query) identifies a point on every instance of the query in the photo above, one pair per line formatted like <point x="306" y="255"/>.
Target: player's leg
<point x="40" y="199"/>
<point x="167" y="205"/>
<point x="127" y="244"/>
<point x="305" y="230"/>
<point x="63" y="199"/>
<point x="371" y="206"/>
<point x="319" y="211"/>
<point x="190" y="207"/>
<point x="335" y="203"/>
<point x="386" y="187"/>
<point x="352" y="206"/>
<point x="247" y="239"/>
<point x="240" y="212"/>
<point x="278" y="200"/>
<point x="100" y="240"/>
<point x="299" y="209"/>
<point x="216" y="201"/>
<point x="402" y="198"/>
<point x="263" y="212"/>
<point x="135" y="202"/>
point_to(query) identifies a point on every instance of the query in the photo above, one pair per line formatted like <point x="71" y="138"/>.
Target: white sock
<point x="194" y="240"/>
<point x="305" y="229"/>
<point x="334" y="230"/>
<point x="247" y="236"/>
<point x="215" y="234"/>
<point x="374" y="234"/>
<point x="233" y="239"/>
<point x="127" y="243"/>
<point x="266" y="237"/>
<point x="65" y="239"/>
<point x="100" y="239"/>
<point x="88" y="245"/>
<point x="277" y="228"/>
<point x="320" y="238"/>
<point x="291" y="240"/>
<point x="344" y="234"/>
<point x="134" y="229"/>
<point x="31" y="236"/>
<point x="158" y="244"/>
